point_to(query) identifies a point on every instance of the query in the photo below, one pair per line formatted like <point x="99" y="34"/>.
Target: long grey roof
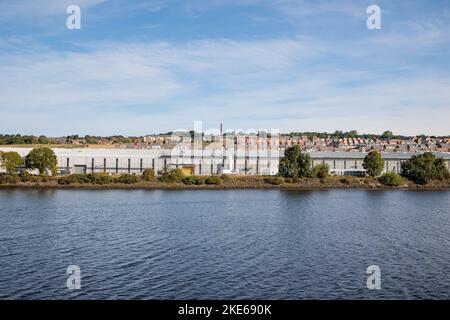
<point x="361" y="155"/>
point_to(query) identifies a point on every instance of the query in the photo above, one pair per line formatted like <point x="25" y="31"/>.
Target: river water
<point x="214" y="244"/>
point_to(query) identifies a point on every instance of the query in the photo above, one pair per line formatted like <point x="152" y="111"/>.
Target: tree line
<point x="421" y="168"/>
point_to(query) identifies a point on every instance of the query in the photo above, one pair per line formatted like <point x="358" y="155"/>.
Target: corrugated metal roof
<point x="361" y="155"/>
<point x="86" y="152"/>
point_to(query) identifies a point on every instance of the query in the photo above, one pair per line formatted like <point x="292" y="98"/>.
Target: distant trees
<point x="9" y="139"/>
<point x="387" y="135"/>
<point x="425" y="167"/>
<point x="373" y="163"/>
<point x="43" y="159"/>
<point x="10" y="161"/>
<point x="295" y="164"/>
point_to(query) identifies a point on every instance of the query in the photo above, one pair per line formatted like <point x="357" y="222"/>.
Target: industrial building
<point x="207" y="161"/>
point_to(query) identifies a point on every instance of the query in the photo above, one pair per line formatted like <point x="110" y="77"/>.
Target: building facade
<point x="208" y="161"/>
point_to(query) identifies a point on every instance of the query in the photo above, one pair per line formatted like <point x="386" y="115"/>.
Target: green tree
<point x="43" y="159"/>
<point x="373" y="163"/>
<point x="10" y="161"/>
<point x="294" y="163"/>
<point x="424" y="167"/>
<point x="387" y="135"/>
<point x="321" y="171"/>
<point x="43" y="140"/>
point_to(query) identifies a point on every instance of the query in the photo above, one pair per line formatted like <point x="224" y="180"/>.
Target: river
<point x="215" y="244"/>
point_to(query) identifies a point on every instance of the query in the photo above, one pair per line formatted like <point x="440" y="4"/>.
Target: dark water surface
<point x="256" y="244"/>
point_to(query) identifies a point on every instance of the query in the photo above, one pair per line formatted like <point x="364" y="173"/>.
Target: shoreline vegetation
<point x="424" y="171"/>
<point x="219" y="183"/>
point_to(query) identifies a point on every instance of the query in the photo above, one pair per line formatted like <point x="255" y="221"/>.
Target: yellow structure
<point x="188" y="170"/>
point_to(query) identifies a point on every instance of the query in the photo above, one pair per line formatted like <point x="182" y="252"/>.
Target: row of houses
<point x="201" y="161"/>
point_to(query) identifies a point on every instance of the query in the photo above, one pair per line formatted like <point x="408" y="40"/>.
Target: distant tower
<point x="221" y="129"/>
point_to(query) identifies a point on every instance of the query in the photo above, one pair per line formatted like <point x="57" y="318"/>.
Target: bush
<point x="148" y="175"/>
<point x="213" y="180"/>
<point x="128" y="179"/>
<point x="289" y="180"/>
<point x="189" y="180"/>
<point x="274" y="180"/>
<point x="90" y="178"/>
<point x="321" y="171"/>
<point x="200" y="180"/>
<point x="24" y="176"/>
<point x="100" y="178"/>
<point x="75" y="178"/>
<point x="174" y="175"/>
<point x="391" y="179"/>
<point x="344" y="181"/>
<point x="7" y="178"/>
<point x="193" y="180"/>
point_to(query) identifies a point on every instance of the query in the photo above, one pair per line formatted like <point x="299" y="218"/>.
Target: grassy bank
<point x="222" y="182"/>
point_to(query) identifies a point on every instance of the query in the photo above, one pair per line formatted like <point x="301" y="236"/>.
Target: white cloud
<point x="288" y="84"/>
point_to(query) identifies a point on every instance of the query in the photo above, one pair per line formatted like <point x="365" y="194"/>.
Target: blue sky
<point x="139" y="67"/>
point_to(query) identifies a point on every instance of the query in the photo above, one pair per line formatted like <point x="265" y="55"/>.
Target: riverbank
<point x="235" y="182"/>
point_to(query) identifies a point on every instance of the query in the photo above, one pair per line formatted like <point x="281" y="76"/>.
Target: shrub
<point x="189" y="180"/>
<point x="76" y="178"/>
<point x="289" y="180"/>
<point x="24" y="176"/>
<point x="274" y="180"/>
<point x="148" y="175"/>
<point x="193" y="180"/>
<point x="344" y="181"/>
<point x="8" y="178"/>
<point x="391" y="179"/>
<point x="213" y="180"/>
<point x="321" y="171"/>
<point x="90" y="178"/>
<point x="174" y="175"/>
<point x="200" y="180"/>
<point x="128" y="178"/>
<point x="100" y="178"/>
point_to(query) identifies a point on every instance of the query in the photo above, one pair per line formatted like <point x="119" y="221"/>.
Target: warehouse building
<point x="207" y="161"/>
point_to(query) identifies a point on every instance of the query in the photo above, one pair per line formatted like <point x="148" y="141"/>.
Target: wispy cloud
<point x="160" y="86"/>
<point x="297" y="79"/>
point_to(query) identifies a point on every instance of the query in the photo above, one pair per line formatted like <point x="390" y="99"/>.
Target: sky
<point x="140" y="67"/>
